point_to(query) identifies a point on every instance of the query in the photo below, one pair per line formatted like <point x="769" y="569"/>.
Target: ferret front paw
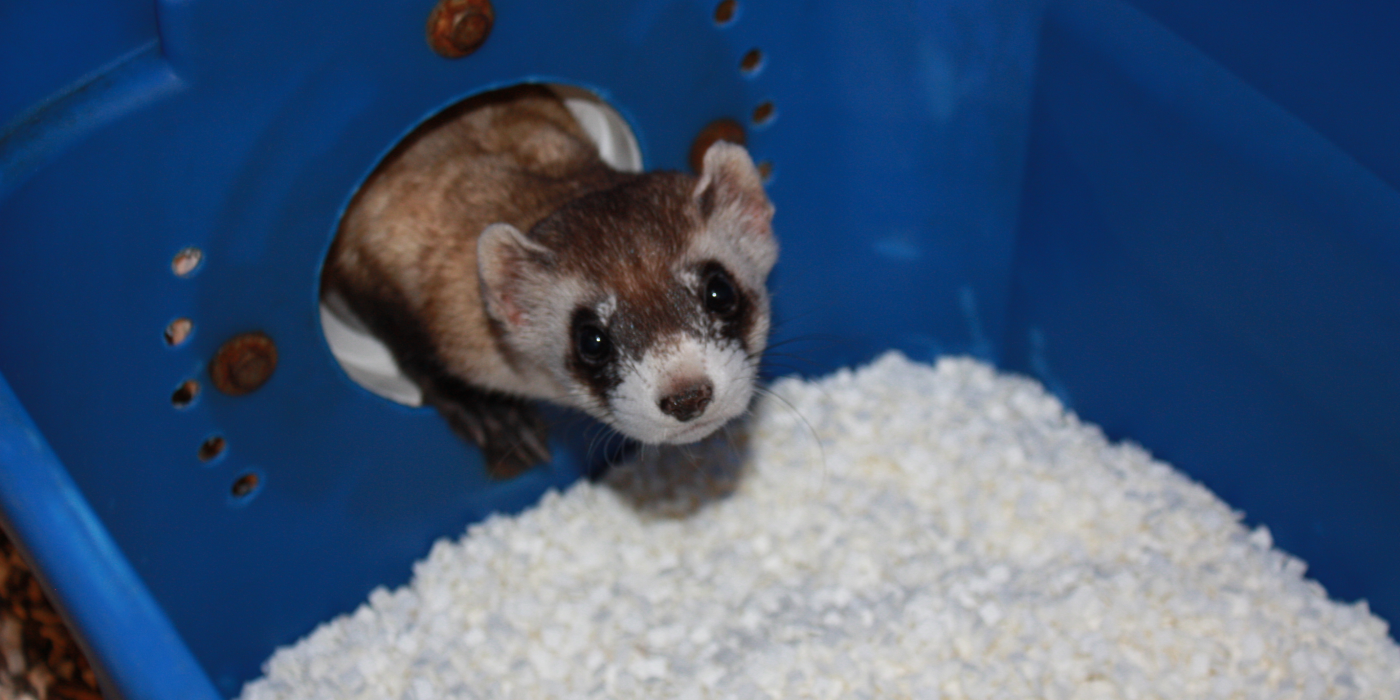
<point x="511" y="433"/>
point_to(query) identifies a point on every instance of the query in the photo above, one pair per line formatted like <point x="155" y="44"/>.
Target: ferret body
<point x="501" y="261"/>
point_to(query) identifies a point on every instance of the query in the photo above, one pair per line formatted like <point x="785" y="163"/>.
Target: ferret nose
<point x="689" y="402"/>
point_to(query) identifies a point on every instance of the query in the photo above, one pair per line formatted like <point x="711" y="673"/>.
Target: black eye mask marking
<point x="721" y="299"/>
<point x="592" y="353"/>
<point x="592" y="344"/>
<point x="726" y="301"/>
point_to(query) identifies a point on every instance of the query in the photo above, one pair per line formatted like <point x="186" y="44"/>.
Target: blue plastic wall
<point x="1208" y="261"/>
<point x="1180" y="215"/>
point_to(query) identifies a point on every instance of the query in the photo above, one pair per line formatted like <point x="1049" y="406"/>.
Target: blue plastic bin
<point x="1181" y="215"/>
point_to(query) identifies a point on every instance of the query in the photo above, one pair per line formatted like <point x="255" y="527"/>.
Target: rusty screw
<point x="243" y="364"/>
<point x="718" y="130"/>
<point x="459" y="27"/>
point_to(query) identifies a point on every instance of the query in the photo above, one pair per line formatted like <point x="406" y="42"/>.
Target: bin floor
<point x="955" y="533"/>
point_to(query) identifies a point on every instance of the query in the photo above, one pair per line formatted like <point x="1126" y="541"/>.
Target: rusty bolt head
<point x="459" y="27"/>
<point x="718" y="130"/>
<point x="243" y="364"/>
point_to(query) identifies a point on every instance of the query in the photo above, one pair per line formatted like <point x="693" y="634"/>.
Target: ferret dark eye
<point x="592" y="344"/>
<point x="720" y="297"/>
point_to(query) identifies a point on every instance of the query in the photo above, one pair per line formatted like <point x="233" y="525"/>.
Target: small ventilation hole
<point x="751" y="62"/>
<point x="212" y="448"/>
<point x="763" y="113"/>
<point x="186" y="262"/>
<point x="185" y="393"/>
<point x="724" y="12"/>
<point x="178" y="332"/>
<point x="245" y="486"/>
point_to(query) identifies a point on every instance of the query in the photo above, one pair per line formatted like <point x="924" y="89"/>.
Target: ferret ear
<point x="504" y="258"/>
<point x="731" y="199"/>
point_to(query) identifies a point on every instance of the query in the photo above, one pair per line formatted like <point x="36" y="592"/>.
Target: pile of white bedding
<point x="954" y="534"/>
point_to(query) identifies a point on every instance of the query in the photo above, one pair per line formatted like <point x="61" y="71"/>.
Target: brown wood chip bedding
<point x="38" y="658"/>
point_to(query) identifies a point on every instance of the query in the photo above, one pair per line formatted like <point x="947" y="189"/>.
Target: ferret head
<point x="646" y="303"/>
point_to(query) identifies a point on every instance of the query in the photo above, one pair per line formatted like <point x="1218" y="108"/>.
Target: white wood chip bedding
<point x="957" y="534"/>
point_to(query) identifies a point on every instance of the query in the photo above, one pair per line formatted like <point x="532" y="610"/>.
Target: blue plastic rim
<point x="1181" y="216"/>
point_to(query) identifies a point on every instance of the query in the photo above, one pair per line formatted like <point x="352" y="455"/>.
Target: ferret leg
<point x="510" y="431"/>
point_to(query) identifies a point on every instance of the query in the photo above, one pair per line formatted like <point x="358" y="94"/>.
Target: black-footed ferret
<point x="501" y="261"/>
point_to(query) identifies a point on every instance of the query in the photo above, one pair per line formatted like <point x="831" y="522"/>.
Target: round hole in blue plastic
<point x="187" y="261"/>
<point x="245" y="488"/>
<point x="212" y="448"/>
<point x="366" y="359"/>
<point x="178" y="331"/>
<point x="751" y="62"/>
<point x="765" y="171"/>
<point x="725" y="11"/>
<point x="185" y="394"/>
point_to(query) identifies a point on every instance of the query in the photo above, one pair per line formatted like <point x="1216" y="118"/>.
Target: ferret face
<point x="647" y="303"/>
<point x="674" y="363"/>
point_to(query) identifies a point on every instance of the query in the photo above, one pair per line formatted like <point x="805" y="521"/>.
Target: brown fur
<point x="409" y="238"/>
<point x="466" y="249"/>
